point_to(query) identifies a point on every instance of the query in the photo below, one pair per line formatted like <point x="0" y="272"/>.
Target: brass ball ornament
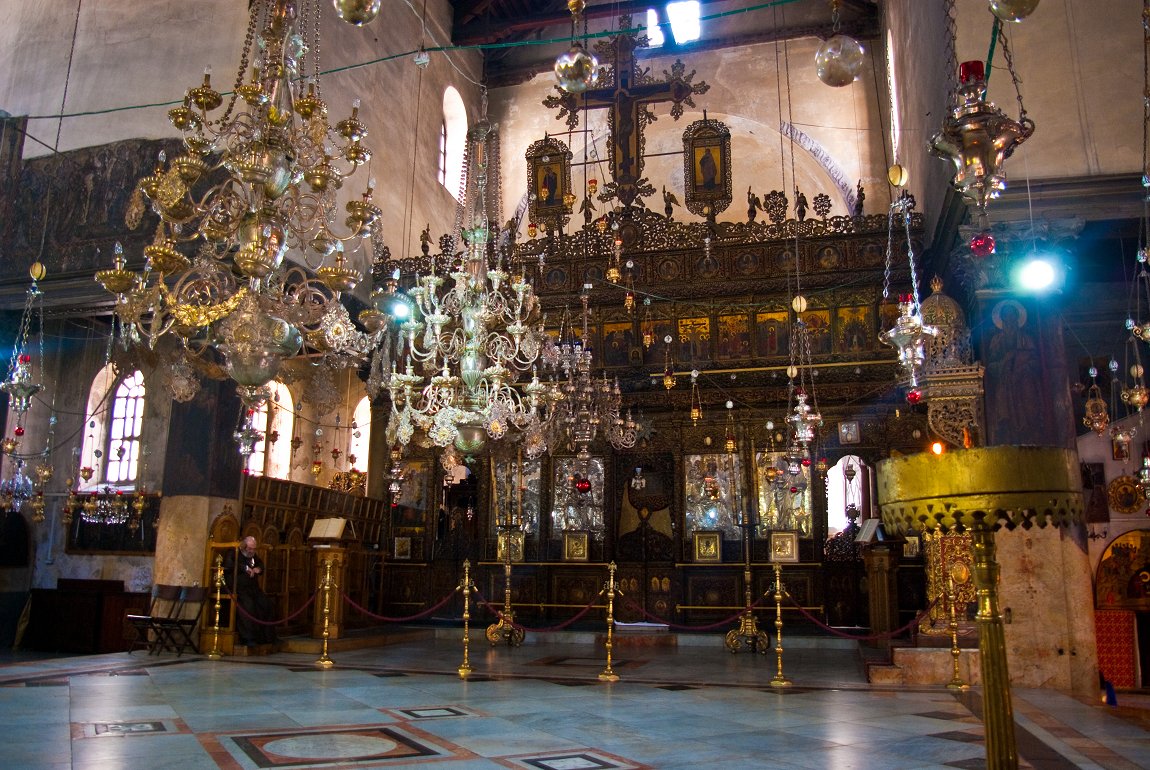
<point x="839" y="61"/>
<point x="357" y="12"/>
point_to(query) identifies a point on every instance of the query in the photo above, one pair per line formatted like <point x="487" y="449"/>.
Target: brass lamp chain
<point x="1145" y="234"/>
<point x="245" y="59"/>
<point x="1009" y="57"/>
<point x="951" y="57"/>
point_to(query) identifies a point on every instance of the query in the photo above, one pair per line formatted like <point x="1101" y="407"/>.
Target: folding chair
<point x="164" y="603"/>
<point x="177" y="633"/>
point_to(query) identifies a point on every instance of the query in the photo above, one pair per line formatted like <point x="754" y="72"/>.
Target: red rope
<point x="868" y="637"/>
<point x="288" y="619"/>
<point x="551" y="629"/>
<point x="416" y="616"/>
<point x="680" y="627"/>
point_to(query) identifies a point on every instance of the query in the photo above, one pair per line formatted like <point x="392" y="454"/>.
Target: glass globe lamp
<point x="839" y="61"/>
<point x="1013" y="10"/>
<point x="576" y="70"/>
<point x="357" y="12"/>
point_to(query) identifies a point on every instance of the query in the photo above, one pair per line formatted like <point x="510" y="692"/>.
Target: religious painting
<point x="828" y="258"/>
<point x="707" y="167"/>
<point x="782" y="260"/>
<point x="618" y="341"/>
<point x="694" y="337"/>
<point x="714" y="493"/>
<point x="577" y="495"/>
<point x="556" y="277"/>
<point x="912" y="548"/>
<point x="784" y="547"/>
<point x="783" y="492"/>
<point x="575" y="546"/>
<point x="734" y="341"/>
<point x="1123" y="577"/>
<point x="1012" y="359"/>
<point x="515" y="492"/>
<point x="668" y="269"/>
<point x="1119" y="450"/>
<point x="708" y="546"/>
<point x="817" y="325"/>
<point x="747" y="262"/>
<point x="403" y="548"/>
<point x="772" y="333"/>
<point x="854" y="329"/>
<point x="593" y="275"/>
<point x="849" y="432"/>
<point x="707" y="266"/>
<point x="871" y="254"/>
<point x="549" y="180"/>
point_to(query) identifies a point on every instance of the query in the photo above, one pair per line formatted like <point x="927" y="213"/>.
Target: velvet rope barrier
<point x="867" y="637"/>
<point x="288" y="619"/>
<point x="417" y="616"/>
<point x="680" y="627"/>
<point x="482" y="601"/>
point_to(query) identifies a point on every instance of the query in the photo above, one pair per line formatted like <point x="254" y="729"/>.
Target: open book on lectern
<point x="327" y="529"/>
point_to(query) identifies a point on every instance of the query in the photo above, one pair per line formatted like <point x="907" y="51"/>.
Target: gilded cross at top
<point x="628" y="97"/>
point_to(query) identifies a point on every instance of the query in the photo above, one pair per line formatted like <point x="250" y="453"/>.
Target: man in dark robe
<point x="242" y="570"/>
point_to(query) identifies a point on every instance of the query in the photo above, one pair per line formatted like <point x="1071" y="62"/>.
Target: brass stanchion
<point x="215" y="653"/>
<point x="465" y="666"/>
<point x="779" y="680"/>
<point x="609" y="674"/>
<point x="958" y="575"/>
<point x="328" y="584"/>
<point x="998" y="711"/>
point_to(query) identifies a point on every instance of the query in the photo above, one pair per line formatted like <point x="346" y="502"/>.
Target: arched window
<point x="115" y="413"/>
<point x="847" y="485"/>
<point x="274" y="419"/>
<point x="453" y="133"/>
<point x="360" y="435"/>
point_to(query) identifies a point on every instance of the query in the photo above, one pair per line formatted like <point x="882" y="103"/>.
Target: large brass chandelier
<point x="252" y="184"/>
<point x="470" y="331"/>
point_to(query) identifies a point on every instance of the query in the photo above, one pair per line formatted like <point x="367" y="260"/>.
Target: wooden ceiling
<point x="514" y="32"/>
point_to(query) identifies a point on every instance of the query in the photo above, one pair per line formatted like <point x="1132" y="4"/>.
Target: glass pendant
<point x="357" y="12"/>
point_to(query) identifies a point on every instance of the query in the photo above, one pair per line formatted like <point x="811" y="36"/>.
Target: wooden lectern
<point x="328" y="538"/>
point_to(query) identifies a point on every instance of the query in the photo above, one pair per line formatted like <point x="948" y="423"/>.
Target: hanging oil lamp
<point x="1097" y="418"/>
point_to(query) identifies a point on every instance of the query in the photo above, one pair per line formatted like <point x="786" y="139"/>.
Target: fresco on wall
<point x="1123" y="577"/>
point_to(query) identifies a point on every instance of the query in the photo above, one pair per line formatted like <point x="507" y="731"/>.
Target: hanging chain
<point x="315" y="52"/>
<point x="889" y="248"/>
<point x="1145" y="233"/>
<point x="835" y="17"/>
<point x="245" y="59"/>
<point x="910" y="257"/>
<point x="951" y="57"/>
<point x="25" y="324"/>
<point x="1009" y="57"/>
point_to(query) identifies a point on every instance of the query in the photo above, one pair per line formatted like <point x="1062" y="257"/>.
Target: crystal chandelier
<point x="469" y="330"/>
<point x="250" y="185"/>
<point x="588" y="405"/>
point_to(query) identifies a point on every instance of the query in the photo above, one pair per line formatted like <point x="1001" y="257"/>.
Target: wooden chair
<point x="164" y="603"/>
<point x="177" y="632"/>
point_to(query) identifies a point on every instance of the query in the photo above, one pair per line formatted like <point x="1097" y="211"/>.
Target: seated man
<point x="242" y="571"/>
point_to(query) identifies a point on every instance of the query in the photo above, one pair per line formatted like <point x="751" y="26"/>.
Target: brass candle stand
<point x="958" y="575"/>
<point x="218" y="579"/>
<point x="779" y="680"/>
<point x="980" y="490"/>
<point x="465" y="666"/>
<point x="328" y="583"/>
<point x="608" y="674"/>
<point x="748" y="631"/>
<point x="504" y="629"/>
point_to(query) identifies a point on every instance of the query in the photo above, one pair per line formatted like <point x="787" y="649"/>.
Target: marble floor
<point x="537" y="707"/>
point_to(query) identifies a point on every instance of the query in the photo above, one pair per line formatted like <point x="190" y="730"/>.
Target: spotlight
<point x="937" y="448"/>
<point x="1036" y="274"/>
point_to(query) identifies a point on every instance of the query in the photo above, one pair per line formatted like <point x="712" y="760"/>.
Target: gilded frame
<point x="548" y="183"/>
<point x="707" y="167"/>
<point x="784" y="547"/>
<point x="708" y="546"/>
<point x="576" y="546"/>
<point x="517" y="538"/>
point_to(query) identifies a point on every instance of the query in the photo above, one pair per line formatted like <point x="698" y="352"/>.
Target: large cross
<point x="628" y="97"/>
